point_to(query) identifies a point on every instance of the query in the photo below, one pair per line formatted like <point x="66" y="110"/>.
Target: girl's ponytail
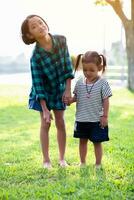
<point x="77" y="62"/>
<point x="104" y="63"/>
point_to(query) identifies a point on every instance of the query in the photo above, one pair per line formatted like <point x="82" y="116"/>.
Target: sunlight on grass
<point x="21" y="172"/>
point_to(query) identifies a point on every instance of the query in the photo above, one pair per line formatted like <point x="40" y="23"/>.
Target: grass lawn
<point x="21" y="174"/>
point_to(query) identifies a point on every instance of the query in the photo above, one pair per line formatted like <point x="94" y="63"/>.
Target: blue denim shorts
<point x="91" y="131"/>
<point x="35" y="105"/>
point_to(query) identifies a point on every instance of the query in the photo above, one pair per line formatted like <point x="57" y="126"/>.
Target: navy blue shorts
<point x="91" y="131"/>
<point x="35" y="105"/>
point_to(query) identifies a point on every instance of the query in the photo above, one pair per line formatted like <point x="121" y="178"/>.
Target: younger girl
<point x="51" y="71"/>
<point x="91" y="94"/>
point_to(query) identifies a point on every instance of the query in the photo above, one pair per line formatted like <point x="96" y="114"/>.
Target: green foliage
<point x="21" y="172"/>
<point x="101" y="2"/>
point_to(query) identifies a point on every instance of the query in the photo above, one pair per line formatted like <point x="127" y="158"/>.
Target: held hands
<point x="103" y="121"/>
<point x="70" y="100"/>
<point x="66" y="98"/>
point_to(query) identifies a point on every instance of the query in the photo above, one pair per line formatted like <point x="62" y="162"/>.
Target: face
<point x="90" y="71"/>
<point x="37" y="28"/>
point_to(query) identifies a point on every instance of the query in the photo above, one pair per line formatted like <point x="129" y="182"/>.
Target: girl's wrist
<point x="68" y="89"/>
<point x="105" y="116"/>
<point x="45" y="109"/>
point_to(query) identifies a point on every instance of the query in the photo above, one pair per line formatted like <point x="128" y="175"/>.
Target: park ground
<point x="21" y="172"/>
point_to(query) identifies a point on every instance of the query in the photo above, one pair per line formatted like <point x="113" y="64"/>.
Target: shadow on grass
<point x="61" y="173"/>
<point x="100" y="174"/>
<point x="84" y="171"/>
<point x="88" y="171"/>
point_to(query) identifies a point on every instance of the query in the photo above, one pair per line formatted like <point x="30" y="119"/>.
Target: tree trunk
<point x="129" y="31"/>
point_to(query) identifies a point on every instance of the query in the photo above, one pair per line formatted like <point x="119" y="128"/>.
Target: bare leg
<point x="44" y="138"/>
<point x="98" y="153"/>
<point x="83" y="150"/>
<point x="61" y="132"/>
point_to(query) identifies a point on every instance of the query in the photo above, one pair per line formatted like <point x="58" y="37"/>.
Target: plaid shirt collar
<point x="54" y="45"/>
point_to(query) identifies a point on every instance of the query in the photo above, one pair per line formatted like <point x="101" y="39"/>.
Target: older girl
<point x="51" y="71"/>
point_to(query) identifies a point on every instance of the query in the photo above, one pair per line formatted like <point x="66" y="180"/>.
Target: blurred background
<point x="86" y="26"/>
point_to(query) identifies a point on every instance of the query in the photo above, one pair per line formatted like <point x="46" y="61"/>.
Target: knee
<point x="60" y="123"/>
<point x="45" y="125"/>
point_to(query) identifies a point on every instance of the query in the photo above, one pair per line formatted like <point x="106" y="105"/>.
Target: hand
<point x="66" y="97"/>
<point x="103" y="121"/>
<point x="47" y="116"/>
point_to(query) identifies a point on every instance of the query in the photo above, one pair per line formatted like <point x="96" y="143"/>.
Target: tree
<point x="128" y="25"/>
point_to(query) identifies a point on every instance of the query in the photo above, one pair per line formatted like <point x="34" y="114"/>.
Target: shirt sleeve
<point x="37" y="79"/>
<point x="106" y="90"/>
<point x="68" y="62"/>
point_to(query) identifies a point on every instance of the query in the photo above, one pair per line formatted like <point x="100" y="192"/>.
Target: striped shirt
<point x="90" y="109"/>
<point x="49" y="72"/>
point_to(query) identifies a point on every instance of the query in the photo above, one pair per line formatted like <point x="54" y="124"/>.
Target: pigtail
<point x="104" y="63"/>
<point x="77" y="62"/>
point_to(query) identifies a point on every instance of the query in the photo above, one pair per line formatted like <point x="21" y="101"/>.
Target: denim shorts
<point x="35" y="105"/>
<point x="91" y="131"/>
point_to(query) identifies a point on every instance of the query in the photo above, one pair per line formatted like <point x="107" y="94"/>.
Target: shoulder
<point x="80" y="81"/>
<point x="35" y="56"/>
<point x="35" y="59"/>
<point x="60" y="38"/>
<point x="103" y="80"/>
<point x="105" y="84"/>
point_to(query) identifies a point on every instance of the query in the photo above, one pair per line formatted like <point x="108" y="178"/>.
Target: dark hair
<point x="92" y="57"/>
<point x="77" y="62"/>
<point x="25" y="29"/>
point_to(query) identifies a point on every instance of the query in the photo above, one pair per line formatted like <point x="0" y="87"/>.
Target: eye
<point x="33" y="27"/>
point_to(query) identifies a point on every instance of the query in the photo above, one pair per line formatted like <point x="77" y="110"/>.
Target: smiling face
<point x="90" y="71"/>
<point x="37" y="28"/>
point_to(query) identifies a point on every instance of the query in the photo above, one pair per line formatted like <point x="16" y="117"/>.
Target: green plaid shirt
<point x="49" y="72"/>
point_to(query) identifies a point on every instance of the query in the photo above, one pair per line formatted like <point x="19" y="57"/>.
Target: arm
<point x="47" y="116"/>
<point x="73" y="99"/>
<point x="68" y="84"/>
<point x="106" y="93"/>
<point x="37" y="79"/>
<point x="68" y="61"/>
<point x="104" y="118"/>
<point x="38" y="85"/>
<point x="67" y="93"/>
<point x="105" y="107"/>
<point x="68" y="73"/>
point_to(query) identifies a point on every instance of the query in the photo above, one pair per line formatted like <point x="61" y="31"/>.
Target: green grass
<point x="21" y="173"/>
